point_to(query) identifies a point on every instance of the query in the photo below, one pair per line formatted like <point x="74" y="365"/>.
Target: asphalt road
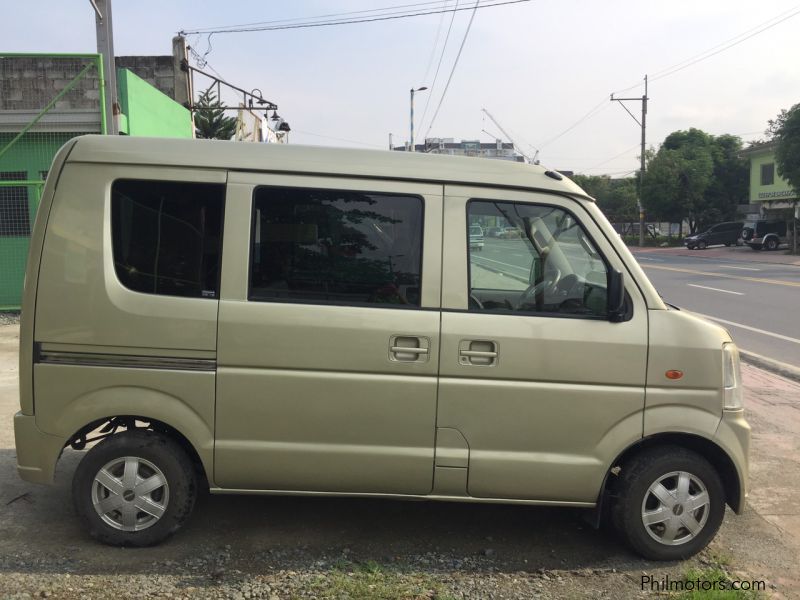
<point x="757" y="302"/>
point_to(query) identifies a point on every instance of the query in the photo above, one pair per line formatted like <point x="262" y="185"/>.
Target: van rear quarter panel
<point x="81" y="301"/>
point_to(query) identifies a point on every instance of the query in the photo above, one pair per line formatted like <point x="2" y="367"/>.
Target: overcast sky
<point x="537" y="66"/>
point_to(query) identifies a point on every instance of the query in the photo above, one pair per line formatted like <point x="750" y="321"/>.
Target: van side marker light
<point x="674" y="374"/>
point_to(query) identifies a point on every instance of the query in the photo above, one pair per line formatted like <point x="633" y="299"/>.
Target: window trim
<point x="525" y="313"/>
<point x="251" y="249"/>
<point x="224" y="187"/>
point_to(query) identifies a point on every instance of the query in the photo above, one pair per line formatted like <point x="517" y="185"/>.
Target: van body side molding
<point x="93" y="359"/>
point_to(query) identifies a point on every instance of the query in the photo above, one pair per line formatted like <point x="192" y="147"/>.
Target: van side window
<point x="331" y="246"/>
<point x="543" y="263"/>
<point x="166" y="236"/>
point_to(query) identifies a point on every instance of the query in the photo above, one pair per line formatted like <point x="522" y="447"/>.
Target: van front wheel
<point x="135" y="488"/>
<point x="671" y="503"/>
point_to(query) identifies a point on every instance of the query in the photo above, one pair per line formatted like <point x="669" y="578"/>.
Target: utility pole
<point x="643" y="125"/>
<point x="411" y="138"/>
<point x="105" y="47"/>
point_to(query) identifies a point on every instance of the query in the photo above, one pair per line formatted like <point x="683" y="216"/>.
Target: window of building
<point x="331" y="246"/>
<point x="166" y="236"/>
<point x="768" y="174"/>
<point x="14" y="212"/>
<point x="546" y="263"/>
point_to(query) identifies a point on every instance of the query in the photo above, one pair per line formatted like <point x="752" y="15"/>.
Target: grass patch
<point x="718" y="580"/>
<point x="372" y="581"/>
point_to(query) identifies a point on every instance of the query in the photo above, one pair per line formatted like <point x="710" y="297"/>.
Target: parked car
<point x="727" y="233"/>
<point x="764" y="234"/>
<point x="494" y="232"/>
<point x="476" y="238"/>
<point x="270" y="318"/>
<point x="510" y="233"/>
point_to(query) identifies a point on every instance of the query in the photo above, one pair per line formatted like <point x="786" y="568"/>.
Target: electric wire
<point x="387" y="17"/>
<point x="453" y="69"/>
<point x="438" y="66"/>
<point x="435" y="45"/>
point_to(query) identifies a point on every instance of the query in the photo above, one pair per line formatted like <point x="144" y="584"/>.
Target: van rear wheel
<point x="135" y="488"/>
<point x="671" y="503"/>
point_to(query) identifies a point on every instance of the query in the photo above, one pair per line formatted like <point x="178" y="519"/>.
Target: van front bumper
<point x="37" y="452"/>
<point x="733" y="435"/>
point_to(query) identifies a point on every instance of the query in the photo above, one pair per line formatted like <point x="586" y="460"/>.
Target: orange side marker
<point x="674" y="374"/>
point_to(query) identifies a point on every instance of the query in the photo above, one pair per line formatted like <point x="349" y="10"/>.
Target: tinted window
<point x="166" y="236"/>
<point x="336" y="246"/>
<point x="550" y="267"/>
<point x="768" y="174"/>
<point x="14" y="216"/>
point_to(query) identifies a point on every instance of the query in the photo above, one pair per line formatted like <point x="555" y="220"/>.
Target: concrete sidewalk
<point x="735" y="253"/>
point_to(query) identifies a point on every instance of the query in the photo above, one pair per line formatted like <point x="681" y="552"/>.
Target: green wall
<point x="780" y="190"/>
<point x="148" y="112"/>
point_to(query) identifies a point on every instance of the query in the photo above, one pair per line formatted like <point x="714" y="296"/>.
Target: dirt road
<point x="243" y="547"/>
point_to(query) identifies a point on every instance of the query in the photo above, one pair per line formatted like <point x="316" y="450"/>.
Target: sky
<point x="539" y="67"/>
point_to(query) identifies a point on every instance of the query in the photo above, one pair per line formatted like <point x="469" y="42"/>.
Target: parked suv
<point x="271" y="318"/>
<point x="721" y="233"/>
<point x="764" y="234"/>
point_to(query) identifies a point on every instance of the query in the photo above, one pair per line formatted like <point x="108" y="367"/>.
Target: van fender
<point x="150" y="404"/>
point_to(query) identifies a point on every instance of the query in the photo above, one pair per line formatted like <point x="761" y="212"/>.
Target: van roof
<point x="318" y="160"/>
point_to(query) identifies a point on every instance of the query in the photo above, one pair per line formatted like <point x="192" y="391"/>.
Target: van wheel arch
<point x="718" y="458"/>
<point x="114" y="425"/>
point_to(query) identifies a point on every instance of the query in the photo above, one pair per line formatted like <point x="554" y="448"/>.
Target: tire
<point x="771" y="244"/>
<point x="755" y="246"/>
<point x="668" y="465"/>
<point x="727" y="244"/>
<point x="158" y="458"/>
<point x="702" y="245"/>
<point x="690" y="247"/>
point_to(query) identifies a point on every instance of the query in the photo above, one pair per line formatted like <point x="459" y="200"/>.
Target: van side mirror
<point x="616" y="296"/>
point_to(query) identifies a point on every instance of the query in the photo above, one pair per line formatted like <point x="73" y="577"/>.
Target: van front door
<point x="328" y="335"/>
<point x="542" y="384"/>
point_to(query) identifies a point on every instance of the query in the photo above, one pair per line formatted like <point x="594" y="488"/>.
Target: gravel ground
<point x="303" y="548"/>
<point x="9" y="318"/>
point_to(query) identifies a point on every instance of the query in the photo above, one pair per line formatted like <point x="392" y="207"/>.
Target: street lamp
<point x="411" y="137"/>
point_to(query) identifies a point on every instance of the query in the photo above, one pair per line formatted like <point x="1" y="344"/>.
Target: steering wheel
<point x="535" y="292"/>
<point x="474" y="303"/>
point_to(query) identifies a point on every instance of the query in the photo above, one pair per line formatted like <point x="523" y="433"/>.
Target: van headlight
<point x="731" y="377"/>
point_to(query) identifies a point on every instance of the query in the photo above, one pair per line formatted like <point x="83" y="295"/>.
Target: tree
<point x="615" y="197"/>
<point x="695" y="176"/>
<point x="787" y="154"/>
<point x="210" y="120"/>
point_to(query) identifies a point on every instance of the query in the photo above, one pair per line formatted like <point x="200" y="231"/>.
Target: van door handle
<point x="409" y="348"/>
<point x="481" y="353"/>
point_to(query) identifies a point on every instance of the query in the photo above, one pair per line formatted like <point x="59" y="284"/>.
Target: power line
<point x="608" y="160"/>
<point x="596" y="109"/>
<point x="438" y="66"/>
<point x="388" y="17"/>
<point x="453" y="69"/>
<point x="435" y="46"/>
<point x="339" y="14"/>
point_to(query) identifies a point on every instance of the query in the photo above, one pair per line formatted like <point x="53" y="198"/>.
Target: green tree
<point x="787" y="155"/>
<point x="209" y="119"/>
<point x="697" y="177"/>
<point x="615" y="197"/>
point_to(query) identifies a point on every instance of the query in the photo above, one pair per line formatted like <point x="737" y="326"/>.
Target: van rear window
<point x="336" y="247"/>
<point x="166" y="236"/>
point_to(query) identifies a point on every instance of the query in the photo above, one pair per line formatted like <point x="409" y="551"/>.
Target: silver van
<point x="270" y="319"/>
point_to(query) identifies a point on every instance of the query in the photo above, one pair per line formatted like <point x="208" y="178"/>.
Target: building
<point x="498" y="150"/>
<point x="771" y="197"/>
<point x="45" y="100"/>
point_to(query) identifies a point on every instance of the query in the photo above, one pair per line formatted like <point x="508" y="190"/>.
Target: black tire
<point x="755" y="246"/>
<point x="635" y="479"/>
<point x="771" y="244"/>
<point x="727" y="244"/>
<point x="690" y="247"/>
<point x="702" y="245"/>
<point x="156" y="449"/>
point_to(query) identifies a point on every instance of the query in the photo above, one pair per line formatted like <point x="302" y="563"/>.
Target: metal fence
<point x="45" y="100"/>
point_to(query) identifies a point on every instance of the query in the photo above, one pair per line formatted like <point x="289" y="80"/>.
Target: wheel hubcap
<point x="675" y="508"/>
<point x="130" y="493"/>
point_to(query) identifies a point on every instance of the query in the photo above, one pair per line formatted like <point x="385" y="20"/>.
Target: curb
<point x="768" y="364"/>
